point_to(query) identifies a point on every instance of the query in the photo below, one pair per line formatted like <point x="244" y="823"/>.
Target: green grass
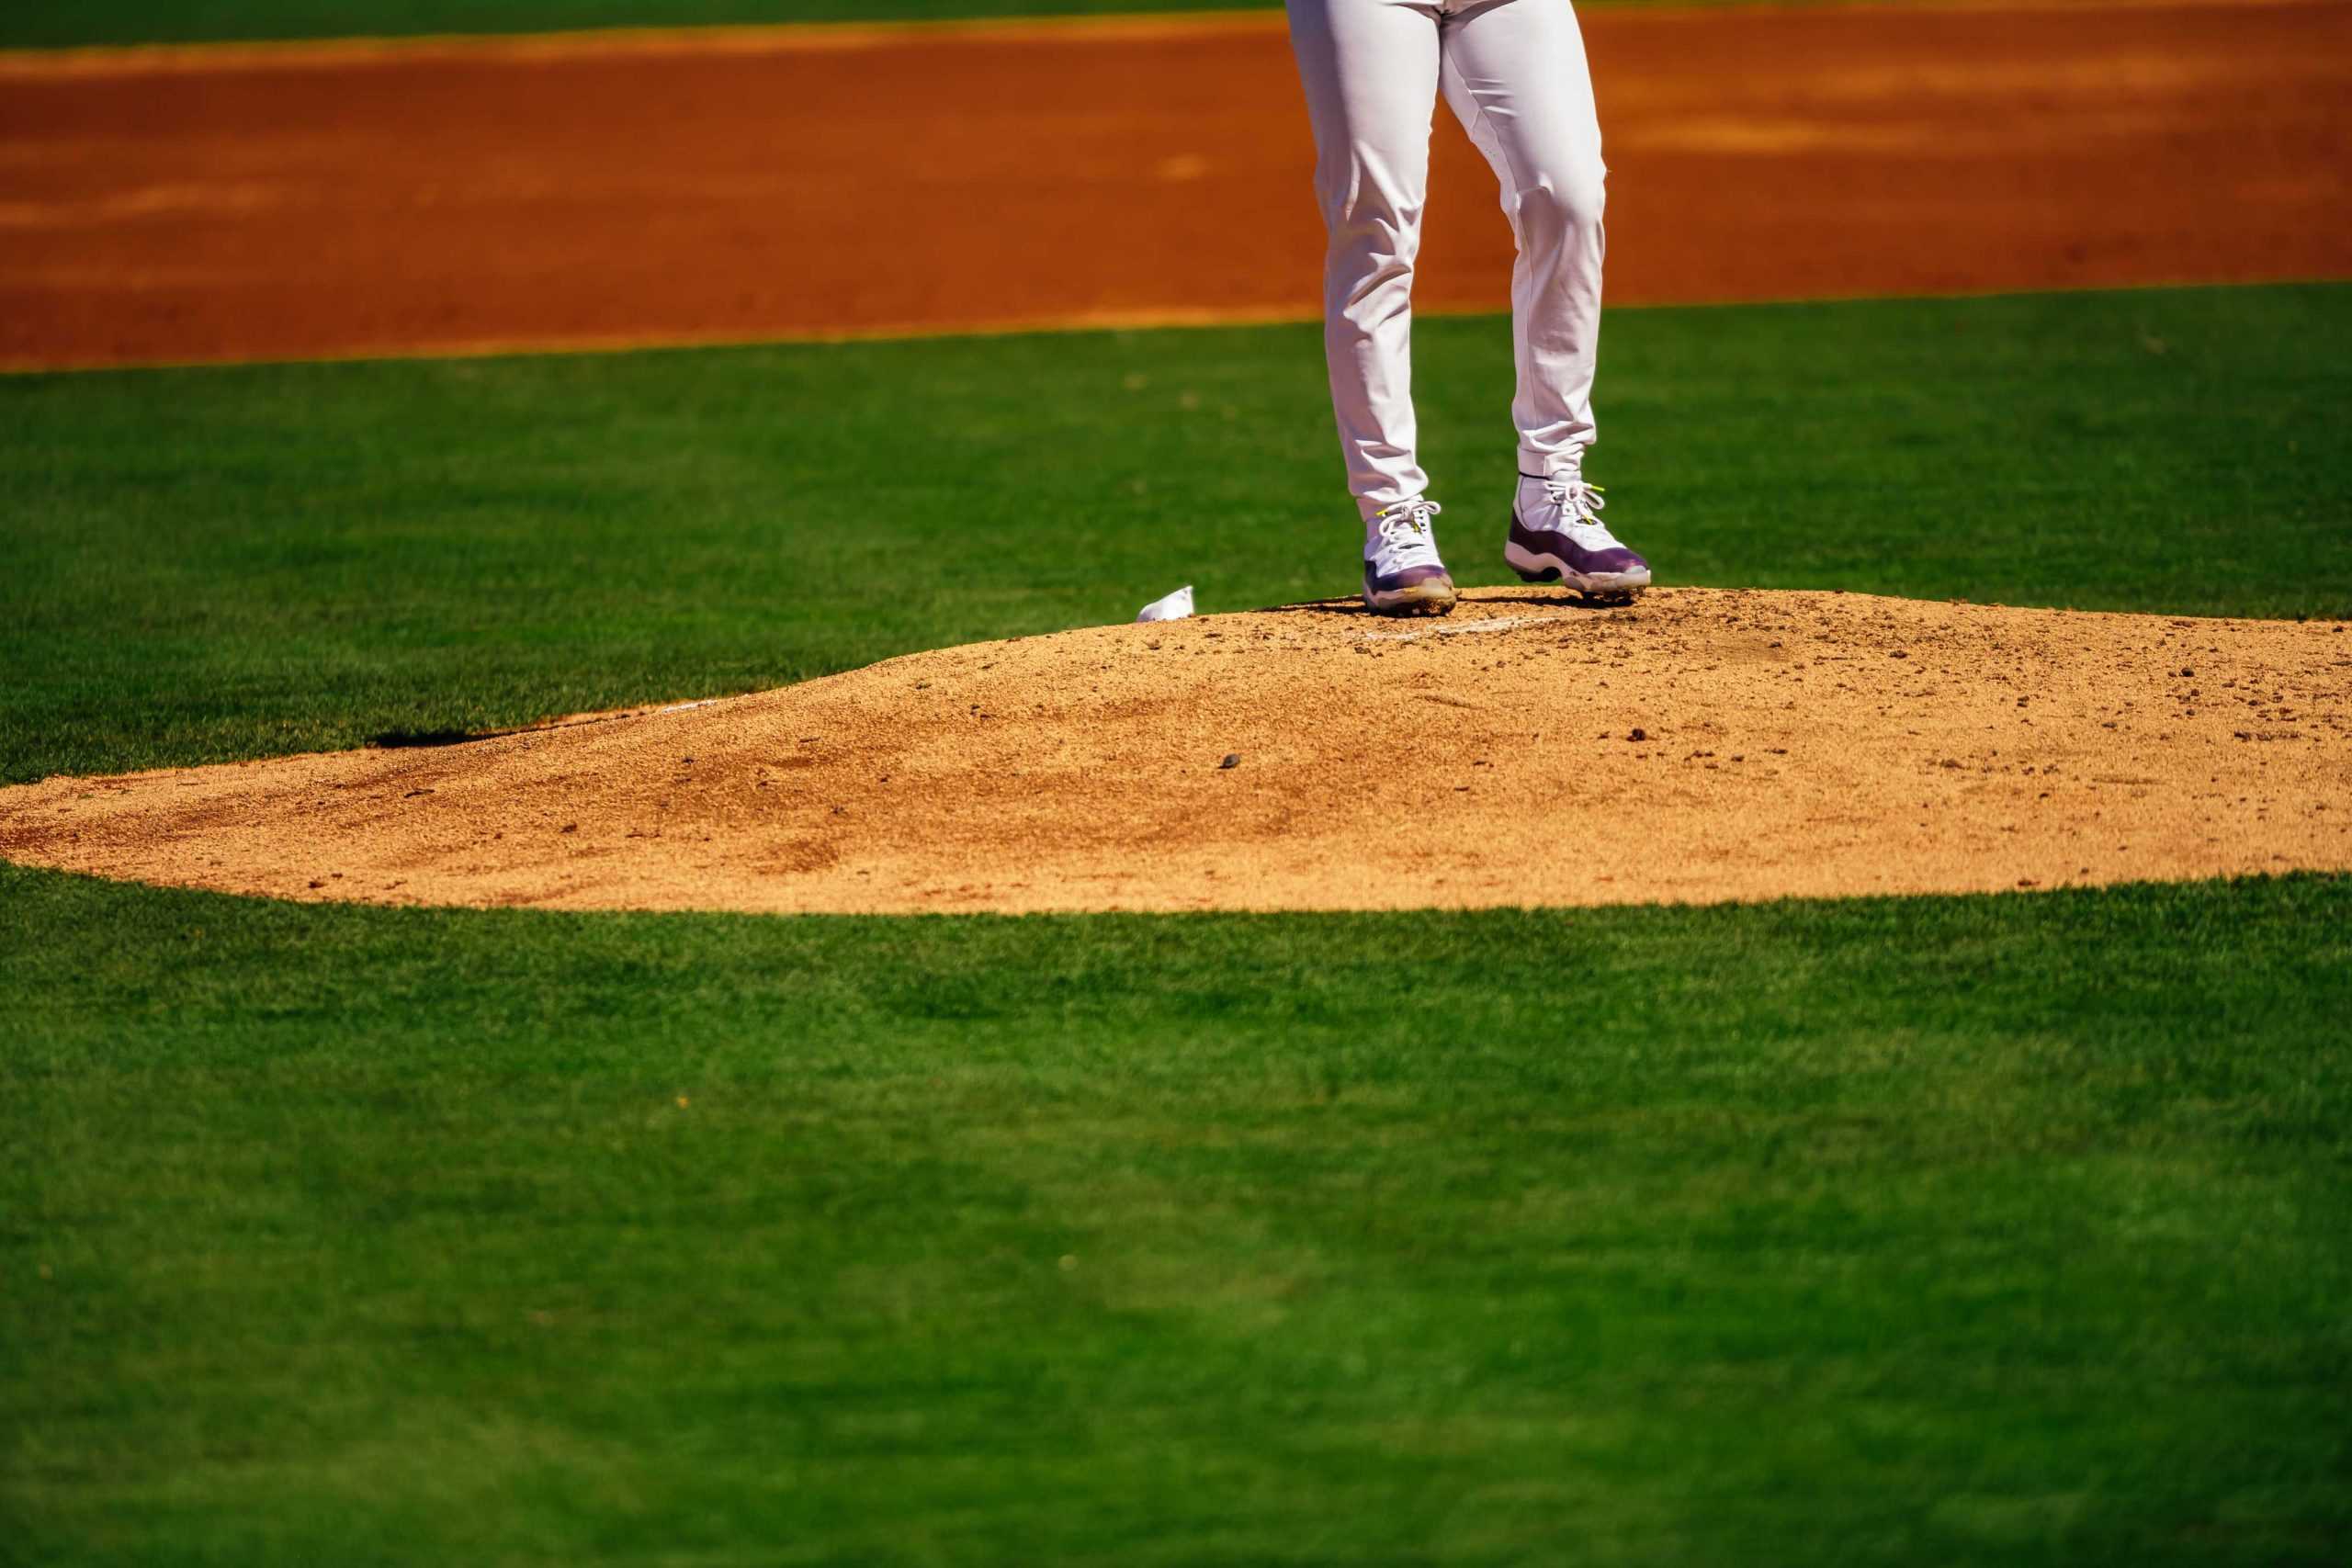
<point x="2005" y="1230"/>
<point x="210" y="564"/>
<point x="30" y="24"/>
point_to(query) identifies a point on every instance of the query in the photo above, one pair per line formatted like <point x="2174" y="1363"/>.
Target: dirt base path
<point x="1700" y="746"/>
<point x="597" y="190"/>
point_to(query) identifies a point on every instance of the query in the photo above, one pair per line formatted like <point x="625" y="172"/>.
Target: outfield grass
<point x="27" y="26"/>
<point x="211" y="564"/>
<point x="37" y="26"/>
<point x="2005" y="1230"/>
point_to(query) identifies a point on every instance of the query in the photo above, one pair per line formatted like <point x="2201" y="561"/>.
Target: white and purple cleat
<point x="1556" y="536"/>
<point x="1402" y="573"/>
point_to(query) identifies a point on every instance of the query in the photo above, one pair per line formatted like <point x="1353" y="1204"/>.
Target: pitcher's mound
<point x="1697" y="746"/>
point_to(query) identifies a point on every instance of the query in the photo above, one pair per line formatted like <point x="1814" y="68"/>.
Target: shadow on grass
<point x="398" y="739"/>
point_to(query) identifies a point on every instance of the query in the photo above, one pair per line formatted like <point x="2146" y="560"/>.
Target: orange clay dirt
<point x="288" y="201"/>
<point x="1702" y="745"/>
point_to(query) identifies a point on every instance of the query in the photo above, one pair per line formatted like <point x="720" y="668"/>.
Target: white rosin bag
<point x="1174" y="607"/>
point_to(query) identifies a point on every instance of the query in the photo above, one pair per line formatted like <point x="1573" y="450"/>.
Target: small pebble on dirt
<point x="1232" y="760"/>
<point x="1637" y="735"/>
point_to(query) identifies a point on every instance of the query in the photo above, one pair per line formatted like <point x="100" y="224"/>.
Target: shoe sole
<point x="1534" y="568"/>
<point x="1424" y="599"/>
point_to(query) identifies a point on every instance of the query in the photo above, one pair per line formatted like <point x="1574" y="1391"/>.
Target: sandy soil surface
<point x="1702" y="745"/>
<point x="317" y="200"/>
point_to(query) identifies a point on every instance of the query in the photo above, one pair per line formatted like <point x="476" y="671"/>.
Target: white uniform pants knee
<point x="1514" y="72"/>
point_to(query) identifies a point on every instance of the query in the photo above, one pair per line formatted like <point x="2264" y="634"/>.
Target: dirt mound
<point x="1698" y="746"/>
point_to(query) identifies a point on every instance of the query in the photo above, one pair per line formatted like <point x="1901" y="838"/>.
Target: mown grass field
<point x="212" y="564"/>
<point x="29" y="26"/>
<point x="1987" y="1230"/>
<point x="1990" y="1230"/>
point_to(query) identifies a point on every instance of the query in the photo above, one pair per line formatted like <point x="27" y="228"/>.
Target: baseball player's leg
<point x="1370" y="68"/>
<point x="1514" y="72"/>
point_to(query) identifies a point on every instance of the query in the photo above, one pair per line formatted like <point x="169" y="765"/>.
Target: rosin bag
<point x="1174" y="607"/>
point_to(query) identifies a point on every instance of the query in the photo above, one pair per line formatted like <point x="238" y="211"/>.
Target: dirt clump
<point x="1699" y="745"/>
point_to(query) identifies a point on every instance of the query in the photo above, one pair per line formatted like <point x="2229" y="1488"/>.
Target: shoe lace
<point x="1404" y="529"/>
<point x="1580" y="505"/>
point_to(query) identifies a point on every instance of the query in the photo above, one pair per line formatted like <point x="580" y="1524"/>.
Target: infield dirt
<point x="621" y="189"/>
<point x="1698" y="746"/>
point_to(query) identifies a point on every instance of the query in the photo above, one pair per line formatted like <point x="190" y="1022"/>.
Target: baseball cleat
<point x="1556" y="536"/>
<point x="1402" y="573"/>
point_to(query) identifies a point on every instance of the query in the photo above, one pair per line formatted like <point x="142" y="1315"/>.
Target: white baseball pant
<point x="1514" y="73"/>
